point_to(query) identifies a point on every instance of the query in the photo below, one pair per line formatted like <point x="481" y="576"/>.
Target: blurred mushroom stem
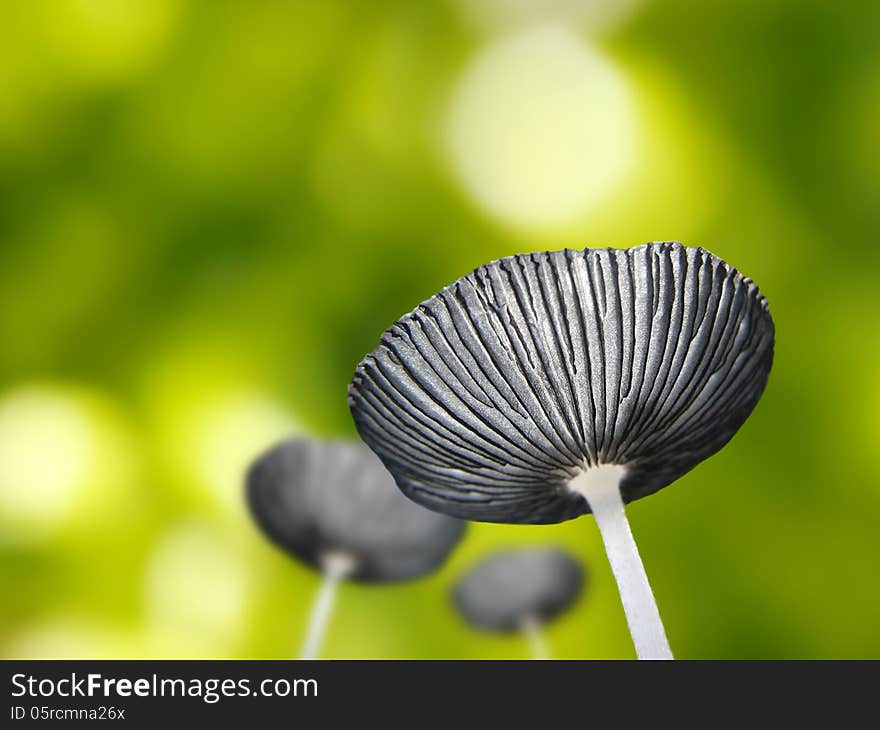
<point x="336" y="567"/>
<point x="600" y="486"/>
<point x="531" y="629"/>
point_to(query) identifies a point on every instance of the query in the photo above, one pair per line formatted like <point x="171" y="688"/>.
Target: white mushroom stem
<point x="531" y="629"/>
<point x="601" y="488"/>
<point x="336" y="567"/>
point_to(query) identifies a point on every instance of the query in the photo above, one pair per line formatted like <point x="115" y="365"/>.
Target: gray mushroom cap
<point x="492" y="395"/>
<point x="515" y="586"/>
<point x="322" y="499"/>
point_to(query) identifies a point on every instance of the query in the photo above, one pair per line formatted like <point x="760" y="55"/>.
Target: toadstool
<point x="334" y="507"/>
<point x="543" y="386"/>
<point x="519" y="591"/>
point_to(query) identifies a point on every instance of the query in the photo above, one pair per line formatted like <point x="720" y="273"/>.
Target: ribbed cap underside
<point x="488" y="398"/>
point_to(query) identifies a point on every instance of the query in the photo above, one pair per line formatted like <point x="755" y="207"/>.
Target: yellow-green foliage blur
<point x="209" y="211"/>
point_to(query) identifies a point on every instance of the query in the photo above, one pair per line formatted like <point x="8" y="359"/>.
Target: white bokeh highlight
<point x="541" y="128"/>
<point x="48" y="449"/>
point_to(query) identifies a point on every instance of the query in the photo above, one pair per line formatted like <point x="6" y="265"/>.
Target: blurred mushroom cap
<point x="489" y="398"/>
<point x="511" y="587"/>
<point x="325" y="500"/>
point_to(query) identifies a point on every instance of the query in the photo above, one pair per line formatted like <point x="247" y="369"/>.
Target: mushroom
<point x="519" y="591"/>
<point x="544" y="386"/>
<point x="334" y="507"/>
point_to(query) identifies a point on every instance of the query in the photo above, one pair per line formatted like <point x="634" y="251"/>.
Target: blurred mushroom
<point x="543" y="386"/>
<point x="334" y="507"/>
<point x="519" y="591"/>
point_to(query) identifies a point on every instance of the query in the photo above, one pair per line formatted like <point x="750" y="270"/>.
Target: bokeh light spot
<point x="66" y="460"/>
<point x="212" y="414"/>
<point x="541" y="128"/>
<point x="47" y="446"/>
<point x="196" y="592"/>
<point x="228" y="434"/>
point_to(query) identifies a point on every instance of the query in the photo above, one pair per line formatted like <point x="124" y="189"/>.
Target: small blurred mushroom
<point x="519" y="591"/>
<point x="543" y="386"/>
<point x="334" y="507"/>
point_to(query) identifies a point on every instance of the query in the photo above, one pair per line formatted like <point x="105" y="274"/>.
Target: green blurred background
<point x="209" y="211"/>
